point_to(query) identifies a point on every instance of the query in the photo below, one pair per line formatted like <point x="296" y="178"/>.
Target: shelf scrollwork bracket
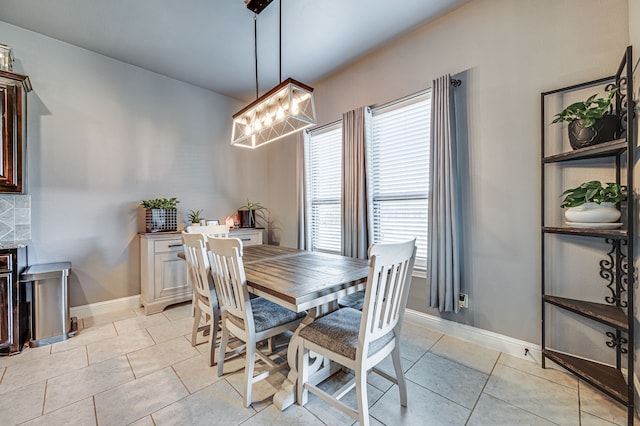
<point x="617" y="341"/>
<point x="613" y="269"/>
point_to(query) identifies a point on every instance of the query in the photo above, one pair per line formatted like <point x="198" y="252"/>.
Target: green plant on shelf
<point x="593" y="192"/>
<point x="160" y="203"/>
<point x="590" y="110"/>
<point x="194" y="216"/>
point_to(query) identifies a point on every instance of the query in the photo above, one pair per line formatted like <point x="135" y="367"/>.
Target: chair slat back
<point x="220" y="231"/>
<point x="199" y="266"/>
<point x="390" y="271"/>
<point x="229" y="278"/>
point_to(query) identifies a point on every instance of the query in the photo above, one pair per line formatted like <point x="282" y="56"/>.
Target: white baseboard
<point x="105" y="307"/>
<point x="488" y="339"/>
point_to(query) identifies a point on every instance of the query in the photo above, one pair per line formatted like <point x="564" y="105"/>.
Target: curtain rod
<point x="453" y="81"/>
<point x="322" y="127"/>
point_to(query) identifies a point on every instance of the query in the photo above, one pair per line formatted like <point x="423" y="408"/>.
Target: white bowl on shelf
<point x="593" y="213"/>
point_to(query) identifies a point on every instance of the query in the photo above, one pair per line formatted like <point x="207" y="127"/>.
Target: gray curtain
<point x="304" y="241"/>
<point x="443" y="271"/>
<point x="355" y="235"/>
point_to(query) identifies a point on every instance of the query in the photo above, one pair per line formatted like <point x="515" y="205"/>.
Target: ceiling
<point x="210" y="43"/>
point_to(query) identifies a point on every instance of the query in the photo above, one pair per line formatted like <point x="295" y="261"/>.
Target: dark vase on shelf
<point x="246" y="219"/>
<point x="605" y="129"/>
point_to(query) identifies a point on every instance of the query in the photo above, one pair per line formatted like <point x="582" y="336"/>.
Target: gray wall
<point x="506" y="52"/>
<point x="104" y="135"/>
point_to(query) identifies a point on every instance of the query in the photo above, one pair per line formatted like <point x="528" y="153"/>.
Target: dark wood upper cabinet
<point x="13" y="131"/>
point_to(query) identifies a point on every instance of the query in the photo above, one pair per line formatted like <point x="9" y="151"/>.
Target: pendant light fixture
<point x="283" y="110"/>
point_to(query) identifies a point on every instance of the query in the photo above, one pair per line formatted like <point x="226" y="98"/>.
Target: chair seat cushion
<point x="353" y="300"/>
<point x="267" y="314"/>
<point x="339" y="331"/>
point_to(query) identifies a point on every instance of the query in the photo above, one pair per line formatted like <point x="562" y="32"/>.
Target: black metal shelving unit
<point x="616" y="269"/>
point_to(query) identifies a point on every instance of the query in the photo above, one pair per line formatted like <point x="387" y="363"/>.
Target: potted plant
<point x="249" y="212"/>
<point x="590" y="122"/>
<point x="194" y="216"/>
<point x="592" y="203"/>
<point x="160" y="214"/>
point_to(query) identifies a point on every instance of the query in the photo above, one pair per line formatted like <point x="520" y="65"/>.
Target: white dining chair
<point x="250" y="320"/>
<point x="220" y="231"/>
<point x="361" y="340"/>
<point x="205" y="302"/>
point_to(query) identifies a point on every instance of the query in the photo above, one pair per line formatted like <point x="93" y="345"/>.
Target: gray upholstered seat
<point x="267" y="314"/>
<point x="339" y="331"/>
<point x="353" y="300"/>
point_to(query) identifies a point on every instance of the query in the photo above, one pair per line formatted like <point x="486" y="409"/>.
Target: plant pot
<point x="247" y="219"/>
<point x="605" y="129"/>
<point x="593" y="213"/>
<point x="159" y="220"/>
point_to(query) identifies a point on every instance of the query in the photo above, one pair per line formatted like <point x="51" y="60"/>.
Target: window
<point x="323" y="165"/>
<point x="398" y="145"/>
<point x="398" y="162"/>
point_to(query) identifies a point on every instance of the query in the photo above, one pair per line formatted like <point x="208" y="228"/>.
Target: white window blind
<point x="323" y="166"/>
<point x="398" y="160"/>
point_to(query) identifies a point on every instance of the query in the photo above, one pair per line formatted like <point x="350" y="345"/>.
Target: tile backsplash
<point x="15" y="218"/>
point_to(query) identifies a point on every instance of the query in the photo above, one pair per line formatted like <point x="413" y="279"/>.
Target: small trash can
<point x="49" y="290"/>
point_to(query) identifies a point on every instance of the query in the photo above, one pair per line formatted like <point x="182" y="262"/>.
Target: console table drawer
<point x="168" y="245"/>
<point x="248" y="236"/>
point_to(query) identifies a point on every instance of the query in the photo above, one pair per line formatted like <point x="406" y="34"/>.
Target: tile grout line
<point x="475" y="404"/>
<point x="541" y="378"/>
<point x="521" y="408"/>
<point x="580" y="404"/>
<point x="44" y="397"/>
<point x="95" y="408"/>
<point x="136" y="378"/>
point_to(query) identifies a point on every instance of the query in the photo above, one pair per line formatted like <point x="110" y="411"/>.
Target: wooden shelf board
<point x="608" y="379"/>
<point x="587" y="232"/>
<point x="611" y="315"/>
<point x="606" y="149"/>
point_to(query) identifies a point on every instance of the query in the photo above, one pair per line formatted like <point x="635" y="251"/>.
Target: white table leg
<point x="319" y="370"/>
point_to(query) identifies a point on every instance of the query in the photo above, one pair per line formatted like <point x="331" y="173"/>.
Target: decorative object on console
<point x="194" y="216"/>
<point x="283" y="110"/>
<point x="590" y="122"/>
<point x="160" y="214"/>
<point x="249" y="213"/>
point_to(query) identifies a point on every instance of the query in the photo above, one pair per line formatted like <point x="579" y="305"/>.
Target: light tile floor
<point x="127" y="368"/>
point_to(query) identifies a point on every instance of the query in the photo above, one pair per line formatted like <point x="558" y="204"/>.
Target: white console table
<point x="163" y="275"/>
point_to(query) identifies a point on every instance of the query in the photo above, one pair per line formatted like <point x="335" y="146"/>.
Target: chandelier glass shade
<point x="285" y="109"/>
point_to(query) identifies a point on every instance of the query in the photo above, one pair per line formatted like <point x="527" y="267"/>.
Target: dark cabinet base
<point x="15" y="306"/>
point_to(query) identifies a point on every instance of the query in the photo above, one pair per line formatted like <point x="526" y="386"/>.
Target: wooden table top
<point x="299" y="279"/>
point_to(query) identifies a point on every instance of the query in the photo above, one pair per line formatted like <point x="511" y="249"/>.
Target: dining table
<point x="302" y="281"/>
